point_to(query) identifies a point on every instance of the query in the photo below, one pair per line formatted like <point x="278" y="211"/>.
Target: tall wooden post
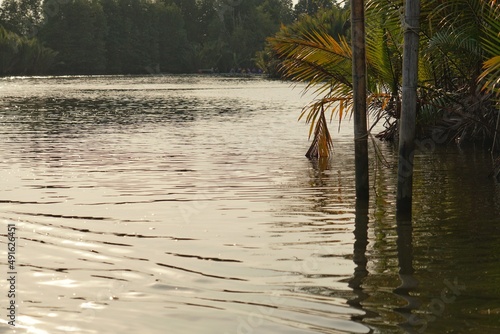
<point x="411" y="28"/>
<point x="359" y="98"/>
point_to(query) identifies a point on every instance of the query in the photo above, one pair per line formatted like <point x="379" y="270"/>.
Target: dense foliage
<point x="143" y="36"/>
<point x="459" y="67"/>
<point x="23" y="55"/>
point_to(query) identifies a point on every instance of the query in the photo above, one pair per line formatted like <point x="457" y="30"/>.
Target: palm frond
<point x="384" y="60"/>
<point x="452" y="53"/>
<point x="314" y="57"/>
<point x="322" y="143"/>
<point x="465" y="14"/>
<point x="491" y="75"/>
<point x="386" y="13"/>
<point x="337" y="104"/>
<point x="324" y="63"/>
<point x="491" y="45"/>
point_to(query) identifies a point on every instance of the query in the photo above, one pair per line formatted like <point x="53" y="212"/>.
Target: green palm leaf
<point x="324" y="63"/>
<point x="491" y="45"/>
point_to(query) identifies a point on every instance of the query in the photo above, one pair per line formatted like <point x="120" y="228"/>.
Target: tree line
<point x="139" y="36"/>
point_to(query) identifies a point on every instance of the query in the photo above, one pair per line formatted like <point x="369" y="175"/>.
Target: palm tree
<point x="309" y="54"/>
<point x="457" y="39"/>
<point x="325" y="63"/>
<point x="462" y="34"/>
<point x="491" y="46"/>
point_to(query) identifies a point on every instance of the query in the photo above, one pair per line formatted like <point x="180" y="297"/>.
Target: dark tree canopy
<point x="143" y="36"/>
<point x="311" y="7"/>
<point x="22" y="17"/>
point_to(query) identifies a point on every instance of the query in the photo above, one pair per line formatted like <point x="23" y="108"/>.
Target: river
<point x="184" y="204"/>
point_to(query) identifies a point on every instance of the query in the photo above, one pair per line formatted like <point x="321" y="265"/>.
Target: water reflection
<point x="360" y="259"/>
<point x="409" y="283"/>
<point x="185" y="204"/>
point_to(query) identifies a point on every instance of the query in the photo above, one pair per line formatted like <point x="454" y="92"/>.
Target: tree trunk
<point x="359" y="97"/>
<point x="408" y="110"/>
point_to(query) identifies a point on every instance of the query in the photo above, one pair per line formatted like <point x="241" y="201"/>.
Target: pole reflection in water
<point x="360" y="260"/>
<point x="406" y="271"/>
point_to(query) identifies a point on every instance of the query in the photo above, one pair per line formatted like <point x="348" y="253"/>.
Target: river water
<point x="184" y="204"/>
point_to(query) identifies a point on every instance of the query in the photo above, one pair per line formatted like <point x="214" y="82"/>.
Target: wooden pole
<point x="359" y="98"/>
<point x="408" y="109"/>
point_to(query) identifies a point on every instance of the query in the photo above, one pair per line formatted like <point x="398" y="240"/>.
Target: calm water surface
<point x="167" y="204"/>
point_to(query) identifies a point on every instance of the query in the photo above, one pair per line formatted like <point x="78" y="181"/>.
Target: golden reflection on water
<point x="185" y="205"/>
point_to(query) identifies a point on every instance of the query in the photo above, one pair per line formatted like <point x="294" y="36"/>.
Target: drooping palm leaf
<point x="324" y="63"/>
<point x="322" y="142"/>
